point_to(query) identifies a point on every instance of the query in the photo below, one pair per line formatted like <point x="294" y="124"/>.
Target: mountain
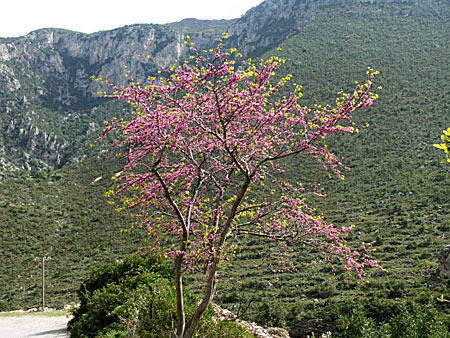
<point x="396" y="191"/>
<point x="48" y="101"/>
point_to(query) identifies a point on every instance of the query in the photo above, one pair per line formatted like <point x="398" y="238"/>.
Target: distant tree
<point x="445" y="145"/>
<point x="206" y="150"/>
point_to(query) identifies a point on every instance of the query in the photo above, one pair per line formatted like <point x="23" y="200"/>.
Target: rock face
<point x="8" y="83"/>
<point x="444" y="262"/>
<point x="47" y="97"/>
<point x="270" y="23"/>
<point x="73" y="57"/>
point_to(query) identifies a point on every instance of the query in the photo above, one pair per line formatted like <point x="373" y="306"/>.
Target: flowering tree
<point x="445" y="144"/>
<point x="205" y="154"/>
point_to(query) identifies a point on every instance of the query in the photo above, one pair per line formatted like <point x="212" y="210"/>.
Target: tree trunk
<point x="181" y="320"/>
<point x="209" y="294"/>
<point x="212" y="272"/>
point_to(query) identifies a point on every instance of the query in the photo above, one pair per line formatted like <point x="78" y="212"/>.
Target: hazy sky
<point x="19" y="17"/>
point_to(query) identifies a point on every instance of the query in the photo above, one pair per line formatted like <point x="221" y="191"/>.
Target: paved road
<point x="33" y="327"/>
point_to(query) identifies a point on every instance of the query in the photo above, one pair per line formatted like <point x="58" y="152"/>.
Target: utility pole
<point x="43" y="283"/>
<point x="44" y="258"/>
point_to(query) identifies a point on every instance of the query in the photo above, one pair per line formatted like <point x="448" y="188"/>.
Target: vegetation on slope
<point x="61" y="215"/>
<point x="397" y="189"/>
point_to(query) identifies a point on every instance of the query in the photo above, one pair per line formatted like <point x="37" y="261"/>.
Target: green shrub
<point x="136" y="298"/>
<point x="5" y="306"/>
<point x="357" y="325"/>
<point x="271" y="312"/>
<point x="418" y="323"/>
<point x="225" y="329"/>
<point x="411" y="322"/>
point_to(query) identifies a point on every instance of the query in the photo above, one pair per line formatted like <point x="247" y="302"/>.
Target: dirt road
<point x="33" y="326"/>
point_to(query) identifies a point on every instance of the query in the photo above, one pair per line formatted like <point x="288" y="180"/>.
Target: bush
<point x="356" y="325"/>
<point x="5" y="306"/>
<point x="135" y="298"/>
<point x="409" y="323"/>
<point x="418" y="323"/>
<point x="271" y="312"/>
<point x="226" y="329"/>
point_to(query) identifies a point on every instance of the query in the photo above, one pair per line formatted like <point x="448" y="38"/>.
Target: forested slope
<point x="397" y="190"/>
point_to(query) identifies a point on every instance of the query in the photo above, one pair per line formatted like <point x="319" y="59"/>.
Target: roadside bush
<point x="5" y="306"/>
<point x="135" y="298"/>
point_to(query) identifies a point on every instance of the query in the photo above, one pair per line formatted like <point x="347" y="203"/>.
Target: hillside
<point x="396" y="191"/>
<point x="61" y="215"/>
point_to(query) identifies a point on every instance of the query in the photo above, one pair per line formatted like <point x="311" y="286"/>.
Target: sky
<point x="19" y="17"/>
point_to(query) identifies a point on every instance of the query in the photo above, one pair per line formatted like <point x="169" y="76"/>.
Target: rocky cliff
<point x="45" y="84"/>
